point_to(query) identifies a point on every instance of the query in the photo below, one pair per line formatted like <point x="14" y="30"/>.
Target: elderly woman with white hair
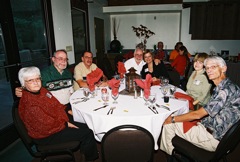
<point x="45" y="118"/>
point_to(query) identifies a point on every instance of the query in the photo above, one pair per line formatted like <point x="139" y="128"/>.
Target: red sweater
<point x="180" y="64"/>
<point x="42" y="113"/>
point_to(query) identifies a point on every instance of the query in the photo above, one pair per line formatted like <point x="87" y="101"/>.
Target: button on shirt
<point x="223" y="108"/>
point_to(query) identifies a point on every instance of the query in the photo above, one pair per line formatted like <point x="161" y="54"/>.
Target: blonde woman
<point x="198" y="85"/>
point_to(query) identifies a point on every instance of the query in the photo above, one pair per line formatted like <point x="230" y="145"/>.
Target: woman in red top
<point x="45" y="117"/>
<point x="181" y="62"/>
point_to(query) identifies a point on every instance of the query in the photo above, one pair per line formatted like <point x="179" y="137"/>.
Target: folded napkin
<point x="186" y="97"/>
<point x="121" y="69"/>
<point x="94" y="77"/>
<point x="114" y="85"/>
<point x="189" y="125"/>
<point x="145" y="85"/>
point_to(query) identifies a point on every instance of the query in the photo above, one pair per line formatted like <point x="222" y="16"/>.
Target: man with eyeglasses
<point x="83" y="69"/>
<point x="136" y="62"/>
<point x="57" y="79"/>
<point x="217" y="116"/>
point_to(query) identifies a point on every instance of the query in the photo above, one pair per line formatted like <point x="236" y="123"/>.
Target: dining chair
<point x="67" y="151"/>
<point x="227" y="144"/>
<point x="128" y="143"/>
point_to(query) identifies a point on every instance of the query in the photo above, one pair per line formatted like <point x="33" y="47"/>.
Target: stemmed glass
<point x="146" y="98"/>
<point x="165" y="81"/>
<point x="173" y="90"/>
<point x="86" y="92"/>
<point x="115" y="96"/>
<point x="164" y="90"/>
<point x="105" y="98"/>
<point x="152" y="99"/>
<point x="121" y="76"/>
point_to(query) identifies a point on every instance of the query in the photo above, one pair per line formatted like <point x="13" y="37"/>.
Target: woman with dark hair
<point x="181" y="62"/>
<point x="151" y="68"/>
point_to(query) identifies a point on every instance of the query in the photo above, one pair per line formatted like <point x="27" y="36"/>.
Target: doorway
<point x="99" y="38"/>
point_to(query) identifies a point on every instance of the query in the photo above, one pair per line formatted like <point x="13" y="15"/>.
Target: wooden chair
<point x="227" y="144"/>
<point x="68" y="151"/>
<point x="128" y="143"/>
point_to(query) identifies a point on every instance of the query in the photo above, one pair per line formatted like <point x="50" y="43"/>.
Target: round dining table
<point x="128" y="110"/>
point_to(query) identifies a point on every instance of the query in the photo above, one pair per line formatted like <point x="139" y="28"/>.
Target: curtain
<point x="215" y="21"/>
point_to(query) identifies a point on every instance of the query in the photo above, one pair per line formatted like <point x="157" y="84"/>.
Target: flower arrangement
<point x="143" y="33"/>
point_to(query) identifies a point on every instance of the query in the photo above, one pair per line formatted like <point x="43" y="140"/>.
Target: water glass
<point x="164" y="90"/>
<point x="173" y="90"/>
<point x="115" y="96"/>
<point x="152" y="99"/>
<point x="86" y="92"/>
<point x="146" y="98"/>
<point x="105" y="98"/>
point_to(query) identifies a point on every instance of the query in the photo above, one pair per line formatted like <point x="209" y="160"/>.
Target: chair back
<point x="229" y="141"/>
<point x="22" y="131"/>
<point x="127" y="143"/>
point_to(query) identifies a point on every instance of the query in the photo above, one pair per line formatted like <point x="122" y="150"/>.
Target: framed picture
<point x="225" y="54"/>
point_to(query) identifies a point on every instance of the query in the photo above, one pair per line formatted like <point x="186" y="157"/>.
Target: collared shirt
<point x="199" y="87"/>
<point x="81" y="72"/>
<point x="223" y="108"/>
<point x="60" y="85"/>
<point x="132" y="63"/>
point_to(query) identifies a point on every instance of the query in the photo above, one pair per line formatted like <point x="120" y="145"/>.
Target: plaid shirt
<point x="223" y="108"/>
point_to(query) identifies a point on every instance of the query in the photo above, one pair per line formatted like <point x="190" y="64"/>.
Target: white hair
<point x="27" y="72"/>
<point x="215" y="59"/>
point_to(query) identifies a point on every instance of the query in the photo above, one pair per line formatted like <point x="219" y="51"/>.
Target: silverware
<point x="100" y="107"/>
<point x="151" y="110"/>
<point x="162" y="106"/>
<point x="111" y="110"/>
<point x="78" y="98"/>
<point x="154" y="108"/>
<point x="83" y="100"/>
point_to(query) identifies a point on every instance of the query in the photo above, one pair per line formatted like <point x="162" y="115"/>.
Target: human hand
<point x="168" y="120"/>
<point x="70" y="125"/>
<point x="70" y="112"/>
<point x="157" y="61"/>
<point x="18" y="91"/>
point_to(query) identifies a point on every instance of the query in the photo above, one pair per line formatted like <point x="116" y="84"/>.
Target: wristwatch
<point x="173" y="120"/>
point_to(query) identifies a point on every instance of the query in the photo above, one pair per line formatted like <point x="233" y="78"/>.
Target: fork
<point x="111" y="110"/>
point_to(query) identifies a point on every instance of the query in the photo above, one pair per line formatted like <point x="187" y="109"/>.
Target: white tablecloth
<point x="128" y="111"/>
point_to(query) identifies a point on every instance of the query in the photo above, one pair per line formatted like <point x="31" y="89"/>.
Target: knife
<point x="152" y="110"/>
<point x="100" y="107"/>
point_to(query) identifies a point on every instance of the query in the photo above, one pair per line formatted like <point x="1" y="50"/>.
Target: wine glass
<point x="152" y="99"/>
<point x="165" y="81"/>
<point x="164" y="90"/>
<point x="105" y="98"/>
<point x="86" y="92"/>
<point x="146" y="98"/>
<point x="115" y="96"/>
<point x="173" y="90"/>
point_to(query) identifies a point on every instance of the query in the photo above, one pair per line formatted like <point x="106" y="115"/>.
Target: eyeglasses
<point x="31" y="81"/>
<point x="86" y="57"/>
<point x="211" y="67"/>
<point x="138" y="55"/>
<point x="62" y="59"/>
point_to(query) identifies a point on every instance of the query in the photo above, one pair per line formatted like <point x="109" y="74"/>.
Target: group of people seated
<point x="45" y="110"/>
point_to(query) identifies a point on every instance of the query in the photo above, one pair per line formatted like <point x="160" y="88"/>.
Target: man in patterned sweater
<point x="57" y="79"/>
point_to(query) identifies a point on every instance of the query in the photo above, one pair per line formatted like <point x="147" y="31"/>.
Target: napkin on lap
<point x="186" y="97"/>
<point x="114" y="85"/>
<point x="189" y="125"/>
<point x="94" y="77"/>
<point x="145" y="84"/>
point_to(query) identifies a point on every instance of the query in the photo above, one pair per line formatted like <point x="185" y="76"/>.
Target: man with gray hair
<point x="217" y="116"/>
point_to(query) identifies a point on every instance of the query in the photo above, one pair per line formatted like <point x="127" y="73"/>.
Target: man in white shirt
<point x="136" y="62"/>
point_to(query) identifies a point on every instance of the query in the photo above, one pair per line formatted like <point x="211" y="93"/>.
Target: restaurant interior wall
<point x="193" y="45"/>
